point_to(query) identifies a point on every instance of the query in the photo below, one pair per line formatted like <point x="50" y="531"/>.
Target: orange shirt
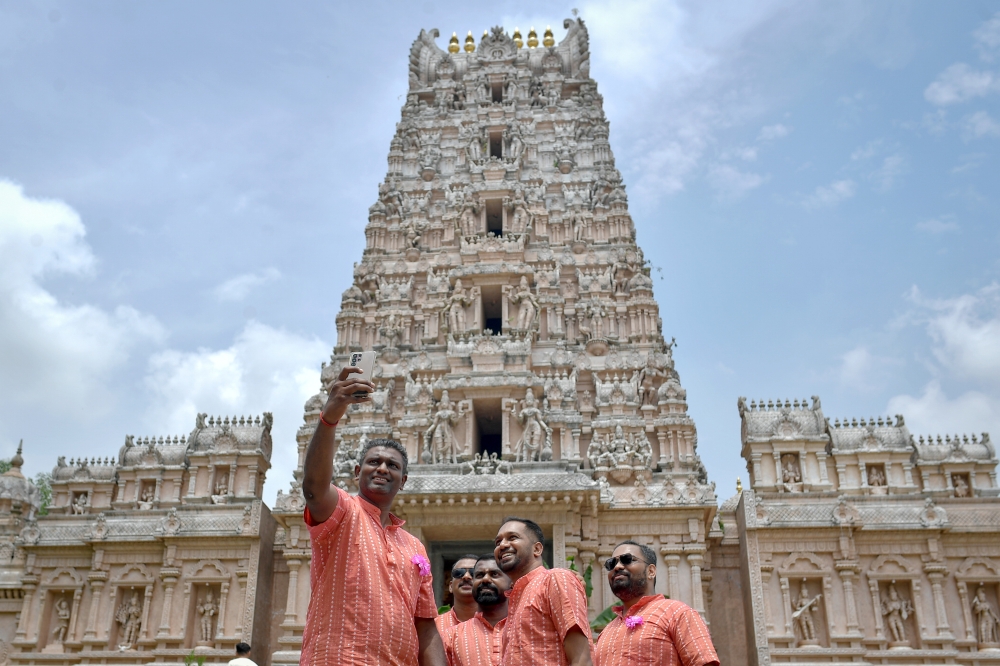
<point x="446" y="621"/>
<point x="671" y="633"/>
<point x="366" y="589"/>
<point x="474" y="643"/>
<point x="542" y="608"/>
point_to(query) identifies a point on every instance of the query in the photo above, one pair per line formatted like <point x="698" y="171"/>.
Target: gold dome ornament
<point x="739" y="485"/>
<point x="518" y="42"/>
<point x="532" y="39"/>
<point x="549" y="40"/>
<point x="453" y="43"/>
<point x="470" y="43"/>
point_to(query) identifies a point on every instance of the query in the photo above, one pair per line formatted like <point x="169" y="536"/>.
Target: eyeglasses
<point x="460" y="572"/>
<point x="626" y="559"/>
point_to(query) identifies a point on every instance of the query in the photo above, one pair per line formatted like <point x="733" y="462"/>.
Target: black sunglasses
<point x="460" y="572"/>
<point x="626" y="559"/>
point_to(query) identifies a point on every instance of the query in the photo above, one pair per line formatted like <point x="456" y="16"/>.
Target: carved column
<point x="74" y="614"/>
<point x="505" y="428"/>
<point x="146" y="598"/>
<point x="291" y="603"/>
<point x="847" y="573"/>
<point x="43" y="597"/>
<point x="576" y="444"/>
<point x="220" y="628"/>
<point x="187" y="608"/>
<point x="97" y="579"/>
<point x="936" y="574"/>
<point x="695" y="561"/>
<point x="586" y="559"/>
<point x="841" y="475"/>
<point x="156" y="490"/>
<point x="28" y="583"/>
<point x="252" y="483"/>
<point x="786" y="605"/>
<point x="963" y="595"/>
<point x="918" y="610"/>
<point x="193" y="480"/>
<point x="765" y="580"/>
<point x="821" y="461"/>
<point x="755" y="459"/>
<point x="232" y="479"/>
<point x="777" y="471"/>
<point x="673" y="585"/>
<point x="863" y="470"/>
<point x="169" y="582"/>
<point x="877" y="607"/>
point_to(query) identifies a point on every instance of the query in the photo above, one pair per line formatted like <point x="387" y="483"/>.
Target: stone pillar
<point x="74" y="614"/>
<point x="169" y="581"/>
<point x="146" y="598"/>
<point x="43" y="597"/>
<point x="877" y="607"/>
<point x="673" y="585"/>
<point x="193" y="480"/>
<point x="29" y="584"/>
<point x="291" y="603"/>
<point x="252" y="483"/>
<point x="918" y="610"/>
<point x="847" y="573"/>
<point x="963" y="595"/>
<point x="220" y="625"/>
<point x="695" y="561"/>
<point x="841" y="474"/>
<point x="97" y="579"/>
<point x="241" y="581"/>
<point x="232" y="480"/>
<point x="765" y="580"/>
<point x="936" y="574"/>
<point x="786" y="605"/>
<point x="187" y="608"/>
<point x="156" y="490"/>
<point x="821" y="462"/>
<point x="777" y="471"/>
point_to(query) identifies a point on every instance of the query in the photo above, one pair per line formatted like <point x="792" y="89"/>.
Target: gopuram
<point x="523" y="364"/>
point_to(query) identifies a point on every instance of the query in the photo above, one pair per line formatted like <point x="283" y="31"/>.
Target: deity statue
<point x="455" y="305"/>
<point x="208" y="609"/>
<point x="876" y="477"/>
<point x="790" y="474"/>
<point x="802" y="614"/>
<point x="62" y="620"/>
<point x="513" y="142"/>
<point x="129" y="617"/>
<point x="440" y="444"/>
<point x="391" y="330"/>
<point x="896" y="610"/>
<point x="474" y="150"/>
<point x="469" y="221"/>
<point x="961" y="486"/>
<point x="527" y="305"/>
<point x="536" y="438"/>
<point x="147" y="497"/>
<point x="79" y="506"/>
<point x="986" y="618"/>
<point x="519" y="216"/>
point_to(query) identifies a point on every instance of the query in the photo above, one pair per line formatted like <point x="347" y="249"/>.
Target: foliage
<point x="4" y="466"/>
<point x="43" y="481"/>
<point x="194" y="659"/>
<point x="588" y="581"/>
<point x="602" y="620"/>
<point x="443" y="609"/>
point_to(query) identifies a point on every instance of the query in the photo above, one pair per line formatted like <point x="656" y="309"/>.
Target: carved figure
<point x="802" y="614"/>
<point x="790" y="474"/>
<point x="469" y="221"/>
<point x="474" y="150"/>
<point x="440" y="444"/>
<point x="62" y="620"/>
<point x="961" y="486"/>
<point x="514" y="143"/>
<point x="208" y="609"/>
<point x="895" y="609"/>
<point x="79" y="506"/>
<point x="129" y="617"/>
<point x="986" y="618"/>
<point x="536" y="438"/>
<point x="456" y="305"/>
<point x="147" y="497"/>
<point x="391" y="330"/>
<point x="346" y="458"/>
<point x="876" y="477"/>
<point x="527" y="305"/>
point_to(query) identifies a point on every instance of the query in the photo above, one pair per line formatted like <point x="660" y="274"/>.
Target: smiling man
<point x="477" y="642"/>
<point x="649" y="628"/>
<point x="463" y="604"/>
<point x="372" y="596"/>
<point x="547" y="621"/>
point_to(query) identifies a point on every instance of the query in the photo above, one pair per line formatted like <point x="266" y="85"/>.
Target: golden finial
<point x="486" y="33"/>
<point x="470" y="43"/>
<point x="550" y="39"/>
<point x="532" y="39"/>
<point x="517" y="38"/>
<point x="739" y="485"/>
<point x="453" y="43"/>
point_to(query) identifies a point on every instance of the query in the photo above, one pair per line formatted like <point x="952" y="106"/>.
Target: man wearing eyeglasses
<point x="477" y="642"/>
<point x="649" y="628"/>
<point x="547" y="621"/>
<point x="463" y="605"/>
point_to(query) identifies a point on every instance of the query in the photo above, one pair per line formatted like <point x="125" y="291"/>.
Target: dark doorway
<point x="493" y="308"/>
<point x="490" y="425"/>
<point x="497" y="92"/>
<point x="496" y="144"/>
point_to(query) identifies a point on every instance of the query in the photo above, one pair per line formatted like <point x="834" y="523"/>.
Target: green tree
<point x="44" y="482"/>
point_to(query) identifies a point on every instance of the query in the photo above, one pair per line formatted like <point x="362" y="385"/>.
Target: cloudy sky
<point x="184" y="187"/>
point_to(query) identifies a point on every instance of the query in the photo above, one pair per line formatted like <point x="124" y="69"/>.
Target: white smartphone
<point x="364" y="361"/>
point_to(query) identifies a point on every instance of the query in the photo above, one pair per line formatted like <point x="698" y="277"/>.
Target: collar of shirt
<point x="515" y="592"/>
<point x="479" y="616"/>
<point x="376" y="513"/>
<point x="637" y="606"/>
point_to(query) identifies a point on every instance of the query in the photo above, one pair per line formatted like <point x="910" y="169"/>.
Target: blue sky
<point x="184" y="187"/>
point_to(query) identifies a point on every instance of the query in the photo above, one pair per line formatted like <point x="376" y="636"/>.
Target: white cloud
<point x="934" y="413"/>
<point x="987" y="38"/>
<point x="832" y="194"/>
<point x="52" y="348"/>
<point x="866" y="151"/>
<point x="733" y="183"/>
<point x="980" y="124"/>
<point x="888" y="173"/>
<point x="239" y="287"/>
<point x="862" y="370"/>
<point x="265" y="369"/>
<point x="960" y="83"/>
<point x="772" y="132"/>
<point x="936" y="226"/>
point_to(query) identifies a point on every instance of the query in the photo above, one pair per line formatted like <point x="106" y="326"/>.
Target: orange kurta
<point x="446" y="621"/>
<point x="671" y="634"/>
<point x="474" y="643"/>
<point x="366" y="589"/>
<point x="543" y="606"/>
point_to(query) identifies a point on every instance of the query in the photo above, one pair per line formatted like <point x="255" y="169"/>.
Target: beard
<point x="627" y="587"/>
<point x="513" y="565"/>
<point x="487" y="594"/>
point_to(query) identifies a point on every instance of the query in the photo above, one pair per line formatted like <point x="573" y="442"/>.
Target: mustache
<point x="487" y="590"/>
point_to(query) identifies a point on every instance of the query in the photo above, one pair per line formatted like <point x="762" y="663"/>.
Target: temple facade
<point x="523" y="364"/>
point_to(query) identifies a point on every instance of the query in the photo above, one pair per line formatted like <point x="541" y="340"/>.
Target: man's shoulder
<point x="561" y="577"/>
<point x="241" y="661"/>
<point x="666" y="609"/>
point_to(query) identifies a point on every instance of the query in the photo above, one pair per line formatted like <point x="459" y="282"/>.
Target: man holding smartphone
<point x="372" y="594"/>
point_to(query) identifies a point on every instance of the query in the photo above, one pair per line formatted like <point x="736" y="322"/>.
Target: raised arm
<point x="321" y="498"/>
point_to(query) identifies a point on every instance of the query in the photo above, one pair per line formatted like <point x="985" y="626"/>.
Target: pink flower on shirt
<point x="633" y="621"/>
<point x="423" y="564"/>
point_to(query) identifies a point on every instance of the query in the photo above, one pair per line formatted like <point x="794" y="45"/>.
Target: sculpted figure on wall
<point x="440" y="444"/>
<point x="961" y="485"/>
<point x="208" y="609"/>
<point x="527" y="305"/>
<point x="129" y="619"/>
<point x="80" y="504"/>
<point x="895" y="609"/>
<point x="802" y="614"/>
<point x="62" y="613"/>
<point x="536" y="438"/>
<point x="455" y="306"/>
<point x="986" y="619"/>
<point x="876" y="477"/>
<point x="791" y="475"/>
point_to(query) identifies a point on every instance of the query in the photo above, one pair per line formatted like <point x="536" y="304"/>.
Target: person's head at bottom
<point x="242" y="649"/>
<point x="631" y="571"/>
<point x="382" y="471"/>
<point x="518" y="546"/>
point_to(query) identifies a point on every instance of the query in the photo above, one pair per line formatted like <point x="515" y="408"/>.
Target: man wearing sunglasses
<point x="547" y="621"/>
<point x="477" y="642"/>
<point x="649" y="628"/>
<point x="463" y="604"/>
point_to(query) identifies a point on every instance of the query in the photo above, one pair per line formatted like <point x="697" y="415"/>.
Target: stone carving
<point x="535" y="442"/>
<point x="455" y="308"/>
<point x="487" y="464"/>
<point x="987" y="622"/>
<point x="440" y="444"/>
<point x="896" y="610"/>
<point x="207" y="609"/>
<point x="80" y="503"/>
<point x="221" y="489"/>
<point x="170" y="524"/>
<point x="619" y="456"/>
<point x="345" y="459"/>
<point x="960" y="485"/>
<point x="129" y="619"/>
<point x="62" y="612"/>
<point x="802" y="615"/>
<point x="876" y="477"/>
<point x="147" y="497"/>
<point x="933" y="515"/>
<point x="527" y="303"/>
<point x="791" y="474"/>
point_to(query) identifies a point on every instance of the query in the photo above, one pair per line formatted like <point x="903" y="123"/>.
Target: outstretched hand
<point x="342" y="394"/>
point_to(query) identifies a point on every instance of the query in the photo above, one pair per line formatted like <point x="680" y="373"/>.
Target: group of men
<point x="372" y="593"/>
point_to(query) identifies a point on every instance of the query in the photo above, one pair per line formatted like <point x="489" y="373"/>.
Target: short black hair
<point x="242" y="648"/>
<point x="648" y="553"/>
<point x="489" y="557"/>
<point x="530" y="524"/>
<point x="465" y="557"/>
<point x="387" y="443"/>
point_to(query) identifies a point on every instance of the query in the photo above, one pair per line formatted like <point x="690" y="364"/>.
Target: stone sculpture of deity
<point x="802" y="615"/>
<point x="208" y="609"/>
<point x="62" y="612"/>
<point x="129" y="618"/>
<point x="440" y="444"/>
<point x="455" y="307"/>
<point x="986" y="619"/>
<point x="527" y="309"/>
<point x="895" y="609"/>
<point x="536" y="437"/>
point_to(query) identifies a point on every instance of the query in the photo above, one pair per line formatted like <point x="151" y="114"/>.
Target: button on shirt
<point x="366" y="589"/>
<point x="671" y="634"/>
<point x="542" y="608"/>
<point x="474" y="643"/>
<point x="446" y="621"/>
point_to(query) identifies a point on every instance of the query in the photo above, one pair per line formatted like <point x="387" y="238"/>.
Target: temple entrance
<point x="489" y="424"/>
